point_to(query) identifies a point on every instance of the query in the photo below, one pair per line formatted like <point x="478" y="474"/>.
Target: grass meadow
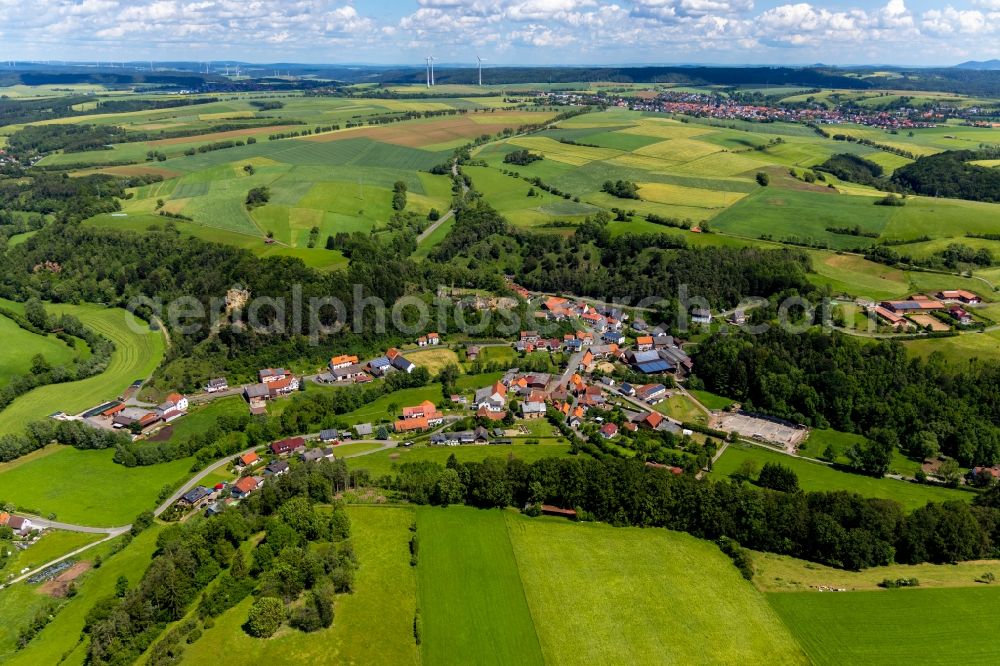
<point x="819" y="477"/>
<point x="601" y="594"/>
<point x="381" y="463"/>
<point x="20" y="346"/>
<point x="86" y="487"/>
<point x="471" y="600"/>
<point x="912" y="626"/>
<point x="53" y="544"/>
<point x="136" y="355"/>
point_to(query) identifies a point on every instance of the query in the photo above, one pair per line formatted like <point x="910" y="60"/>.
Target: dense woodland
<point x="840" y="529"/>
<point x="628" y="266"/>
<point x="950" y="175"/>
<point x="874" y="388"/>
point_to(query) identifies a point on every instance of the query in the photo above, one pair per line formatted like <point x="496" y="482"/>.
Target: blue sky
<point x="518" y="32"/>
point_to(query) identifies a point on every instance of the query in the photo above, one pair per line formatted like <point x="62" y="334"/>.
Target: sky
<point x="504" y="32"/>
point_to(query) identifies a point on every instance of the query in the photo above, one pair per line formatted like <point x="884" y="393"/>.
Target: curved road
<point x="112" y="532"/>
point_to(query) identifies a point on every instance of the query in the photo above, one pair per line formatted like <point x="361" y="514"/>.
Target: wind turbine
<point x="480" y="60"/>
<point x="432" y="70"/>
<point x="427" y="64"/>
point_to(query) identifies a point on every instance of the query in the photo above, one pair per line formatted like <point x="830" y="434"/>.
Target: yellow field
<point x="645" y="162"/>
<point x="683" y="150"/>
<point x="562" y="152"/>
<point x="226" y="114"/>
<point x="678" y="195"/>
<point x="432" y="358"/>
<point x="890" y="161"/>
<point x="668" y="129"/>
<point x="722" y="164"/>
<point x="781" y="573"/>
<point x="986" y="163"/>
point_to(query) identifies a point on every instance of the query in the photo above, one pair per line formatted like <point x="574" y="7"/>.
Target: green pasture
<point x="383" y="462"/>
<point x="916" y="626"/>
<point x="138" y="351"/>
<point x="471" y="599"/>
<point x="819" y="477"/>
<point x="21" y="346"/>
<point x="783" y="573"/>
<point x="601" y="594"/>
<point x="86" y="487"/>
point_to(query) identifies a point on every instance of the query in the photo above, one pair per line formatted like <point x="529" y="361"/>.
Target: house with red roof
<point x="286" y="446"/>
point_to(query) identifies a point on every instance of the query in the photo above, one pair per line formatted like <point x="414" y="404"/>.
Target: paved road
<point x="574" y="364"/>
<point x="447" y="216"/>
<point x="431" y="229"/>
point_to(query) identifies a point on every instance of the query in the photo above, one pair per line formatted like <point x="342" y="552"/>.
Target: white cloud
<point x="531" y="30"/>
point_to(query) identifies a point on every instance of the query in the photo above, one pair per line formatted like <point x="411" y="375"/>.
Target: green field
<point x="680" y="407"/>
<point x="897" y="626"/>
<point x="86" y="487"/>
<point x="373" y="625"/>
<point x="601" y="594"/>
<point x="381" y="463"/>
<point x="136" y="355"/>
<point x="471" y="599"/>
<point x="20" y="346"/>
<point x="818" y="477"/>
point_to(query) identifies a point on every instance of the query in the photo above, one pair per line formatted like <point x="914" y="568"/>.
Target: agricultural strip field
<point x="818" y="477"/>
<point x="601" y="594"/>
<point x="136" y="355"/>
<point x="472" y="603"/>
<point x="86" y="487"/>
<point x="914" y="626"/>
<point x="374" y="624"/>
<point x="20" y="346"/>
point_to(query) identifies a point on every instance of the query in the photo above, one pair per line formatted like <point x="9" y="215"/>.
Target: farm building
<point x="890" y="317"/>
<point x="648" y="362"/>
<point x="913" y="305"/>
<point x="959" y="295"/>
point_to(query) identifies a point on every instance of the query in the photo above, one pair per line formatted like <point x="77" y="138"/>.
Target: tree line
<point x="924" y="407"/>
<point x="840" y="528"/>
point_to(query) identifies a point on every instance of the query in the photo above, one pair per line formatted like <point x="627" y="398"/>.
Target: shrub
<point x="266" y="615"/>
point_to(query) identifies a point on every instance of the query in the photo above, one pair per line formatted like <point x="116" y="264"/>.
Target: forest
<point x="854" y="169"/>
<point x="869" y="387"/>
<point x="949" y="174"/>
<point x="631" y="265"/>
